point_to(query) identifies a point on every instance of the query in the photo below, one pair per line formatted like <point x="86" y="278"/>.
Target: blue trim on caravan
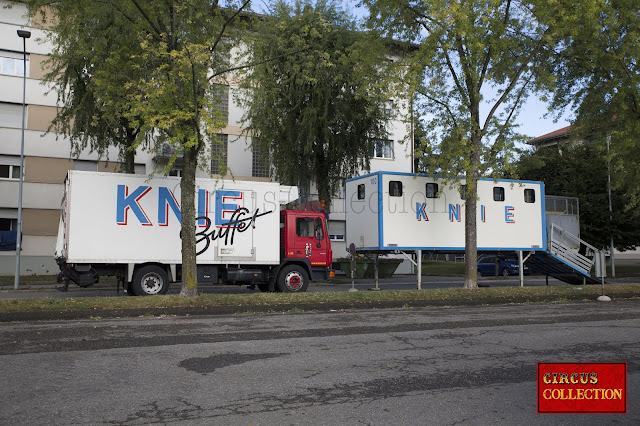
<point x="380" y="211"/>
<point x="363" y="176"/>
<point x="444" y="249"/>
<point x="544" y="216"/>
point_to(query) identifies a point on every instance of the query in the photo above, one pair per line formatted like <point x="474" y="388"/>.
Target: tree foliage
<point x="172" y="55"/>
<point x="582" y="171"/>
<point x="89" y="67"/>
<point x="601" y="82"/>
<point x="476" y="64"/>
<point x="322" y="100"/>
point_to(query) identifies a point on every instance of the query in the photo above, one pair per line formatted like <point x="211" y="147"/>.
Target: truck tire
<point x="292" y="279"/>
<point x="150" y="280"/>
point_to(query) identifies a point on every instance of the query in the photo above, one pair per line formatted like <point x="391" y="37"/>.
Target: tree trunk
<point x="470" y="219"/>
<point x="127" y="153"/>
<point x="128" y="160"/>
<point x="188" y="230"/>
<point x="470" y="235"/>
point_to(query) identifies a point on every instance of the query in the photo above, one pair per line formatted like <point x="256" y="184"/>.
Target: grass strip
<point x="315" y="301"/>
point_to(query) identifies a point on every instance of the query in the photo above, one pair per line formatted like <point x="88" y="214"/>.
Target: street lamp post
<point x="613" y="262"/>
<point x="24" y="35"/>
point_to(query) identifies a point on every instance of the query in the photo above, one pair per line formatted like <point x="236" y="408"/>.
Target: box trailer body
<point x="387" y="211"/>
<point x="115" y="224"/>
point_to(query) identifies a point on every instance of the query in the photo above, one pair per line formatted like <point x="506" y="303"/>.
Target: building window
<point x="9" y="167"/>
<point x="529" y="196"/>
<point x="86" y="165"/>
<point x="11" y="115"/>
<point x="361" y="191"/>
<point x="336" y="230"/>
<point x="260" y="164"/>
<point x="11" y="63"/>
<point x="139" y="169"/>
<point x="432" y="190"/>
<point x="7" y="224"/>
<point x="463" y="192"/>
<point x="498" y="193"/>
<point x="8" y="171"/>
<point x="221" y="99"/>
<point x="175" y="172"/>
<point x="383" y="149"/>
<point x="219" y="149"/>
<point x="395" y="188"/>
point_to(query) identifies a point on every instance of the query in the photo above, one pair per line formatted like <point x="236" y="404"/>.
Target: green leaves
<point x="579" y="169"/>
<point x="601" y="83"/>
<point x="318" y="97"/>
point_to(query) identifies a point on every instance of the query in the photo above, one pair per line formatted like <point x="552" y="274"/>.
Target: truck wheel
<point x="293" y="279"/>
<point x="150" y="280"/>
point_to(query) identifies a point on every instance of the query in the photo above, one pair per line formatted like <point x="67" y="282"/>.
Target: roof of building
<point x="557" y="134"/>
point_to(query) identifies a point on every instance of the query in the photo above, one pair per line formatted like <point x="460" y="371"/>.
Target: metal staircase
<point x="568" y="258"/>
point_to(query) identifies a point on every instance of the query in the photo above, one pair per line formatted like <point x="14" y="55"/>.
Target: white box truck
<point x="128" y="226"/>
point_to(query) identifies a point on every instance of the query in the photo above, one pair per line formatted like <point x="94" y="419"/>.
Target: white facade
<point x="48" y="158"/>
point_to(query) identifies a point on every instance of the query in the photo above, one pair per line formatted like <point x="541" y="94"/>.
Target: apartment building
<point x="47" y="156"/>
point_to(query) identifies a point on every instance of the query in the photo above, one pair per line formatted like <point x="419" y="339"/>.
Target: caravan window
<point x="529" y="196"/>
<point x="395" y="188"/>
<point x="361" y="191"/>
<point x="498" y="193"/>
<point x="432" y="190"/>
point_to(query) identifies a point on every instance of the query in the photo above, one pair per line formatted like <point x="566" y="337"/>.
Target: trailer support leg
<point x="376" y="273"/>
<point x="419" y="265"/>
<point x="521" y="268"/>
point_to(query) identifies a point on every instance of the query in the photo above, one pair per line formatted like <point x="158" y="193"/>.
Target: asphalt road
<point x="416" y="366"/>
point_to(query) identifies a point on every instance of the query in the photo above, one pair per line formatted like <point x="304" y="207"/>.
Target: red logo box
<point x="582" y="387"/>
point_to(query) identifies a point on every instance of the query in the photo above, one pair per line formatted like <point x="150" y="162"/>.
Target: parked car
<point x="506" y="266"/>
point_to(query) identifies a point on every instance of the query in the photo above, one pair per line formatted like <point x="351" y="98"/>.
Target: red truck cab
<point x="304" y="242"/>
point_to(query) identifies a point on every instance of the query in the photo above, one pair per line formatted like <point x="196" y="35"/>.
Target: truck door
<point x="232" y="207"/>
<point x="311" y="240"/>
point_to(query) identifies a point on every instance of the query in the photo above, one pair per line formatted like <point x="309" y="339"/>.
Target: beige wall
<point x="46" y="170"/>
<point x="233" y="130"/>
<point x="37" y="67"/>
<point x="45" y="18"/>
<point x="39" y="117"/>
<point x="40" y="222"/>
<point x="239" y="177"/>
<point x="108" y="166"/>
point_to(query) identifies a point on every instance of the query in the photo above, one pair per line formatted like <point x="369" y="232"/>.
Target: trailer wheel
<point x="293" y="279"/>
<point x="149" y="280"/>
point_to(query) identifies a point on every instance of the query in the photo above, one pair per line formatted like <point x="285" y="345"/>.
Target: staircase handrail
<point x="583" y="261"/>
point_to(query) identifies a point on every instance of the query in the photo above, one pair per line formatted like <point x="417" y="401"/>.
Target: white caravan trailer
<point x="388" y="211"/>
